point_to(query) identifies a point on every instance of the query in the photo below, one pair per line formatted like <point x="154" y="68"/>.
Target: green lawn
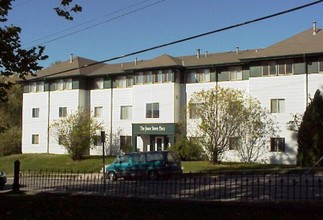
<point x="94" y="164"/>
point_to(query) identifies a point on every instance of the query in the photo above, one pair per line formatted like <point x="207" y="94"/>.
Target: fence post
<point x="15" y="186"/>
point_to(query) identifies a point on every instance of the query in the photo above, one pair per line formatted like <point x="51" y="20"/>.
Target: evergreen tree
<point x="310" y="135"/>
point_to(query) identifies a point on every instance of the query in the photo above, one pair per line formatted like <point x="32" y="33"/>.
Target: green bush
<point x="10" y="141"/>
<point x="187" y="149"/>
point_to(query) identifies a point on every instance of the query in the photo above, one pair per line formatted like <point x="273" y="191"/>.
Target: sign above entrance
<point x="160" y="129"/>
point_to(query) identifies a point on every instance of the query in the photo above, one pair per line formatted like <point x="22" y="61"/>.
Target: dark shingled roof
<point x="300" y="44"/>
<point x="303" y="43"/>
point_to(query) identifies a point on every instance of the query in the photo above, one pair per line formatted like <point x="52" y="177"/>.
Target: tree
<point x="255" y="131"/>
<point x="228" y="115"/>
<point x="13" y="58"/>
<point x="10" y="118"/>
<point x="310" y="134"/>
<point x="76" y="132"/>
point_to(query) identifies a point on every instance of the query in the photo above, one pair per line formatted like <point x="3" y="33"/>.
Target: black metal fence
<point x="215" y="186"/>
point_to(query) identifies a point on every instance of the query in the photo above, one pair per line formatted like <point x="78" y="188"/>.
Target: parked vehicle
<point x="3" y="179"/>
<point x="151" y="165"/>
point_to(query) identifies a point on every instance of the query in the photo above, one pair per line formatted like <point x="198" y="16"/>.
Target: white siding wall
<point x="34" y="125"/>
<point x="162" y="93"/>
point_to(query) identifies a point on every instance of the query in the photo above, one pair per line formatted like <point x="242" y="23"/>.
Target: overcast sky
<point x="111" y="28"/>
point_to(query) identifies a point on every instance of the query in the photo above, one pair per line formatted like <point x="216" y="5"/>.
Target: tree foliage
<point x="76" y="133"/>
<point x="254" y="132"/>
<point x="310" y="134"/>
<point x="10" y="118"/>
<point x="13" y="58"/>
<point x="226" y="114"/>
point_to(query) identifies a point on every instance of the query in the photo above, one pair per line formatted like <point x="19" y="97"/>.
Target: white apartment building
<point x="141" y="103"/>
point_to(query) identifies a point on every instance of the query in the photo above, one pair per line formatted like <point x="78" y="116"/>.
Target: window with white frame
<point x="67" y="84"/>
<point x="139" y="78"/>
<point x="285" y="67"/>
<point x="121" y="81"/>
<point x="158" y="76"/>
<point x="199" y="76"/>
<point x="168" y="75"/>
<point x="277" y="144"/>
<point x="35" y="112"/>
<point x="98" y="111"/>
<point x="277" y="105"/>
<point x="269" y="68"/>
<point x="98" y="83"/>
<point x="125" y="142"/>
<point x="194" y="109"/>
<point x="321" y="64"/>
<point x="235" y="73"/>
<point x="152" y="110"/>
<point x="125" y="112"/>
<point x="62" y="112"/>
<point x="35" y="138"/>
<point x="233" y="143"/>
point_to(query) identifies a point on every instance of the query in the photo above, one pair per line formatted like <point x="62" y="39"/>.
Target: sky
<point x="107" y="29"/>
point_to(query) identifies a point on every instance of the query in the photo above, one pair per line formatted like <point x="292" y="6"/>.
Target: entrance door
<point x="159" y="142"/>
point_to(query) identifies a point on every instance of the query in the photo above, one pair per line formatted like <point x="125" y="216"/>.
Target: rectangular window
<point x="125" y="141"/>
<point x="277" y="144"/>
<point x="139" y="79"/>
<point x="233" y="143"/>
<point x="98" y="111"/>
<point x="321" y="64"/>
<point x="152" y="110"/>
<point x="269" y="68"/>
<point x="121" y="81"/>
<point x="61" y="139"/>
<point x="158" y="76"/>
<point x="194" y="110"/>
<point x="33" y="87"/>
<point x="285" y="67"/>
<point x="67" y="84"/>
<point x="62" y="112"/>
<point x="97" y="141"/>
<point x="277" y="105"/>
<point x="235" y="73"/>
<point x="40" y="86"/>
<point x="98" y="83"/>
<point x="125" y="112"/>
<point x="35" y="112"/>
<point x="35" y="139"/>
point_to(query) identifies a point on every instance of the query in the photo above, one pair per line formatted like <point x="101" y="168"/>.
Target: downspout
<point x="306" y="80"/>
<point x="111" y="115"/>
<point x="48" y="116"/>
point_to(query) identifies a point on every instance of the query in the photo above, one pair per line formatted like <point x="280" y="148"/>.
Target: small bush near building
<point x="188" y="149"/>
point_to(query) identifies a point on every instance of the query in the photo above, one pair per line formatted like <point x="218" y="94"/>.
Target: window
<point x="125" y="142"/>
<point x="62" y="112"/>
<point x="194" y="110"/>
<point x="152" y="110"/>
<point x="235" y="73"/>
<point x="125" y="112"/>
<point x="61" y="139"/>
<point x="321" y="64"/>
<point x="148" y="77"/>
<point x="98" y="111"/>
<point x="35" y="112"/>
<point x="158" y="76"/>
<point x="269" y="68"/>
<point x="139" y="79"/>
<point x="35" y="139"/>
<point x="67" y="84"/>
<point x="233" y="143"/>
<point x="168" y="76"/>
<point x="98" y="83"/>
<point x="97" y="140"/>
<point x="198" y="76"/>
<point x="277" y="144"/>
<point x="277" y="105"/>
<point x="285" y="67"/>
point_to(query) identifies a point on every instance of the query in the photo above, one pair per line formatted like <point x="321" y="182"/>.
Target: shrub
<point x="187" y="149"/>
